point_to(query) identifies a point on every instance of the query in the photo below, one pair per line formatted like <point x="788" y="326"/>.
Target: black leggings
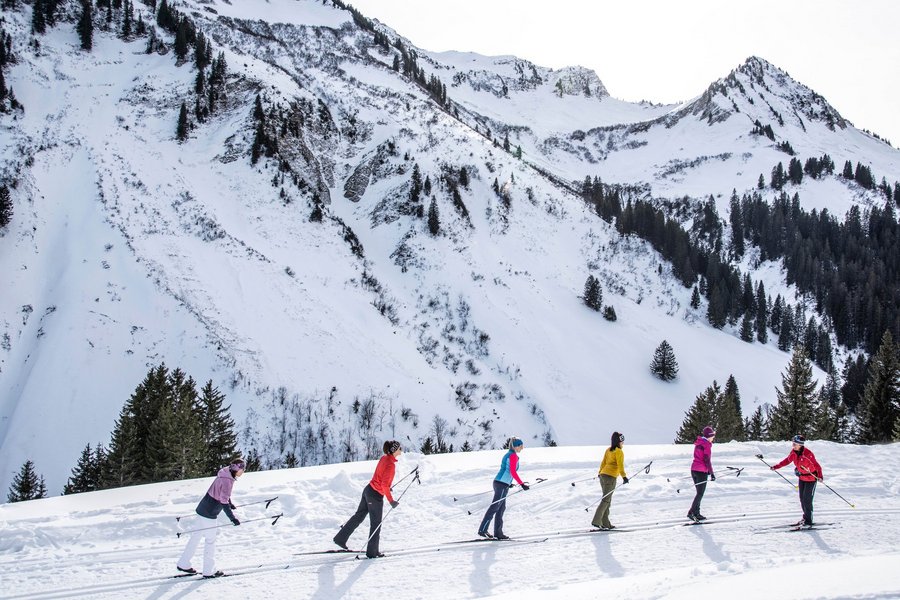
<point x="699" y="478"/>
<point x="807" y="491"/>
<point x="372" y="504"/>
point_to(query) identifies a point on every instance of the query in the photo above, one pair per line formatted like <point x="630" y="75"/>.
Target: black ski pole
<point x="396" y="483"/>
<point x="400" y="497"/>
<point x="273" y="517"/>
<point x="645" y="470"/>
<point x="822" y="481"/>
<point x="760" y="457"/>
<point x="455" y="499"/>
<point x="537" y="480"/>
<point x="733" y="471"/>
<point x="268" y="502"/>
<point x="583" y="480"/>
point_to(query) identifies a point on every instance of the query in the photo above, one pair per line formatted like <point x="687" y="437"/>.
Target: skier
<point x="701" y="470"/>
<point x="217" y="499"/>
<point x="509" y="467"/>
<point x="612" y="465"/>
<point x="372" y="502"/>
<point x="807" y="468"/>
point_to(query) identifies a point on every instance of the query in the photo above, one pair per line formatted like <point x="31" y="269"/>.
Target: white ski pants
<point x="209" y="548"/>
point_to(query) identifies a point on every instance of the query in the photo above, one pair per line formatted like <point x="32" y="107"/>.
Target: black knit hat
<point x="391" y="446"/>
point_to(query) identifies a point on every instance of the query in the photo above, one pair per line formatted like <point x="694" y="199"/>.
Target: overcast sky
<point x="667" y="51"/>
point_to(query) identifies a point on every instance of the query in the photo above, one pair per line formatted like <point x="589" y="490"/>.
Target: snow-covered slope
<point x="128" y="249"/>
<point x="122" y="543"/>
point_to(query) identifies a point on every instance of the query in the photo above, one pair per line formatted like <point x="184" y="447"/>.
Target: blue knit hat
<point x="516" y="442"/>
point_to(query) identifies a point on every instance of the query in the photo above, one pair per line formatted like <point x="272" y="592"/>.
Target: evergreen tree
<point x="715" y="312"/>
<point x="854" y="375"/>
<point x="27" y="485"/>
<point x="6" y="208"/>
<point x="786" y="332"/>
<point x="699" y="415"/>
<point x="85" y="26"/>
<point x="85" y="475"/>
<point x="729" y="419"/>
<point x="793" y="413"/>
<point x="664" y="364"/>
<point x="415" y="188"/>
<point x="38" y="20"/>
<point x="695" y="298"/>
<point x="762" y="315"/>
<point x="181" y="131"/>
<point x="609" y="313"/>
<point x="434" y="219"/>
<point x="181" y="40"/>
<point x="464" y="177"/>
<point x="755" y="426"/>
<point x="127" y="19"/>
<point x="593" y="294"/>
<point x="880" y="404"/>
<point x="847" y="173"/>
<point x="216" y="430"/>
<point x="829" y="411"/>
<point x="747" y="329"/>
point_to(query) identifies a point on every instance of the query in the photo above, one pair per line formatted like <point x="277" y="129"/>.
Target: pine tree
<point x="786" y="331"/>
<point x="695" y="298"/>
<point x="715" y="312"/>
<point x="27" y="485"/>
<point x="793" y="413"/>
<point x="83" y="474"/>
<point x="755" y="427"/>
<point x="181" y="132"/>
<point x="664" y="364"/>
<point x="609" y="313"/>
<point x="464" y="177"/>
<point x="6" y="208"/>
<point x="747" y="329"/>
<point x="216" y="429"/>
<point x="85" y="26"/>
<point x="181" y="40"/>
<point x="699" y="415"/>
<point x="434" y="219"/>
<point x="38" y="21"/>
<point x="415" y="187"/>
<point x="762" y="315"/>
<point x="880" y="404"/>
<point x="729" y="419"/>
<point x="593" y="294"/>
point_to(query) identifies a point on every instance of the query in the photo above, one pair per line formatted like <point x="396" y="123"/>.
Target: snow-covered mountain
<point x="122" y="543"/>
<point x="128" y="248"/>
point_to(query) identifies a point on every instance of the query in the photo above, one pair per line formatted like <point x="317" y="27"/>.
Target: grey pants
<point x="601" y="515"/>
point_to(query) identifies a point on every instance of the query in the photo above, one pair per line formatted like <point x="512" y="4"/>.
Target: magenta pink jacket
<point x="702" y="456"/>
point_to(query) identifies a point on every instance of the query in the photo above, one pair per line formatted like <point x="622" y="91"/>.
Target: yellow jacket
<point x="613" y="463"/>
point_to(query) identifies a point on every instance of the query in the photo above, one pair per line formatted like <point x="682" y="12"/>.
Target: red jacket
<point x="805" y="464"/>
<point x="384" y="476"/>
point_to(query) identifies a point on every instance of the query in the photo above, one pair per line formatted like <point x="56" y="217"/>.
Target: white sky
<point x="665" y="51"/>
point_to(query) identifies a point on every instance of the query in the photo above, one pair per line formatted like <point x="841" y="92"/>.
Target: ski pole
<point x="396" y="483"/>
<point x="645" y="470"/>
<point x="268" y="502"/>
<point x="455" y="499"/>
<point x="583" y="480"/>
<point x="822" y="481"/>
<point x="733" y="471"/>
<point x="537" y="480"/>
<point x="274" y="517"/>
<point x="400" y="497"/>
<point x="760" y="457"/>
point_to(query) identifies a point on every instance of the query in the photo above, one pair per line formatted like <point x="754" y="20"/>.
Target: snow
<point x="128" y="249"/>
<point x="122" y="543"/>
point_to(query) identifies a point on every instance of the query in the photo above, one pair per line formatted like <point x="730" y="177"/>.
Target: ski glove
<point x="395" y="503"/>
<point x="235" y="522"/>
<point x="526" y="487"/>
<point x="624" y="480"/>
<point x="712" y="476"/>
<point x="231" y="505"/>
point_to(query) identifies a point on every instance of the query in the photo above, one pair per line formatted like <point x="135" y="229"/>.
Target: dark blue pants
<point x="496" y="509"/>
<point x="807" y="491"/>
<point x="372" y="504"/>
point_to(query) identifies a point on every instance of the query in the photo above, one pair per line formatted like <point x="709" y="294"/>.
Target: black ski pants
<point x="372" y="504"/>
<point x="807" y="491"/>
<point x="496" y="509"/>
<point x="700" y="479"/>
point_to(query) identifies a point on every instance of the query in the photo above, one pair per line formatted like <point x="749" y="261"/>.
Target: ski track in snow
<point x="122" y="543"/>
